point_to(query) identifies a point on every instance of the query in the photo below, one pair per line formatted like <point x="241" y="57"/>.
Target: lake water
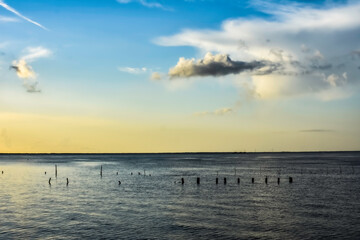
<point x="323" y="202"/>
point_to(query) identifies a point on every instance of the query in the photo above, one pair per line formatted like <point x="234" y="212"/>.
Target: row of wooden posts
<point x="182" y="179"/>
<point x="238" y="180"/>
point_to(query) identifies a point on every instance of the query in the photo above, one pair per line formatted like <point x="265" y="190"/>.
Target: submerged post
<point x="67" y="181"/>
<point x="117" y="173"/>
<point x="266" y="180"/>
<point x="119" y="182"/>
<point x="101" y="170"/>
<point x="55" y="170"/>
<point x="290" y="179"/>
<point x="217" y="180"/>
<point x="224" y="180"/>
<point x="252" y="180"/>
<point x="182" y="181"/>
<point x="238" y="180"/>
<point x="278" y="180"/>
<point x="198" y="180"/>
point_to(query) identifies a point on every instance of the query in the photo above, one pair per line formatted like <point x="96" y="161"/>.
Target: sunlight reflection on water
<point x="321" y="203"/>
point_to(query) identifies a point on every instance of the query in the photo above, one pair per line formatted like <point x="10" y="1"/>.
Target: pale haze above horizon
<point x="179" y="76"/>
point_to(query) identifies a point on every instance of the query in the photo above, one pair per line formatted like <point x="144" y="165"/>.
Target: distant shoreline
<point x="164" y="153"/>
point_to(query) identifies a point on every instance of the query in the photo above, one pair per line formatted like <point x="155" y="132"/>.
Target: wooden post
<point x="101" y="170"/>
<point x="252" y="180"/>
<point x="117" y="173"/>
<point x="119" y="182"/>
<point x="278" y="180"/>
<point x="182" y="181"/>
<point x="55" y="170"/>
<point x="290" y="179"/>
<point x="238" y="180"/>
<point x="217" y="180"/>
<point x="198" y="180"/>
<point x="67" y="181"/>
<point x="266" y="180"/>
<point x="49" y="181"/>
<point x="224" y="180"/>
<point x="45" y="173"/>
<point x="144" y="172"/>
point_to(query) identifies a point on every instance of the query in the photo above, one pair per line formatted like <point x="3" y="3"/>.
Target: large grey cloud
<point x="218" y="65"/>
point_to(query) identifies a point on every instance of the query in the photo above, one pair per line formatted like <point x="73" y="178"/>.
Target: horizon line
<point x="124" y="153"/>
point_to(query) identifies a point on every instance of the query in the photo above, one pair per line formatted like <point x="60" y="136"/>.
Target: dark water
<point x="323" y="202"/>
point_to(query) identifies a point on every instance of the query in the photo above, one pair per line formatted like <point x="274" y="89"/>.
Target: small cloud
<point x="218" y="112"/>
<point x="156" y="76"/>
<point x="5" y="138"/>
<point x="8" y="19"/>
<point x="217" y="65"/>
<point x="146" y="4"/>
<point x="132" y="70"/>
<point x="25" y="72"/>
<point x="316" y="131"/>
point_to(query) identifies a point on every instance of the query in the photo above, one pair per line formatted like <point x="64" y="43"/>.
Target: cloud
<point x="156" y="76"/>
<point x="132" y="70"/>
<point x="308" y="49"/>
<point x="218" y="112"/>
<point x="8" y="19"/>
<point x="7" y="7"/>
<point x="316" y="130"/>
<point x="217" y="65"/>
<point x="5" y="138"/>
<point x="146" y="4"/>
<point x="25" y="72"/>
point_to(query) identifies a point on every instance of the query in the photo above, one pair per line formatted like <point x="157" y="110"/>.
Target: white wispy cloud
<point x="8" y="19"/>
<point x="315" y="49"/>
<point x="146" y="4"/>
<point x="217" y="112"/>
<point x="133" y="70"/>
<point x="9" y="8"/>
<point x="25" y="72"/>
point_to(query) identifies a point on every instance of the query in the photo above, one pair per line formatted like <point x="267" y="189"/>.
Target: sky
<point x="179" y="76"/>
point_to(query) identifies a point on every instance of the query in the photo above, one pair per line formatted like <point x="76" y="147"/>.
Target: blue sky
<point x="258" y="68"/>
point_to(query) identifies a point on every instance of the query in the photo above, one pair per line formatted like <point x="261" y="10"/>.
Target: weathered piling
<point x="290" y="179"/>
<point x="55" y="170"/>
<point x="278" y="180"/>
<point x="252" y="180"/>
<point x="45" y="173"/>
<point x="67" y="181"/>
<point x="266" y="180"/>
<point x="49" y="181"/>
<point x="2" y="172"/>
<point x="119" y="182"/>
<point x="238" y="180"/>
<point x="198" y="180"/>
<point x="224" y="180"/>
<point x="182" y="181"/>
<point x="217" y="180"/>
<point x="101" y="170"/>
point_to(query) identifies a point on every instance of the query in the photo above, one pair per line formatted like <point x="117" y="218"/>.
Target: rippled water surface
<point x="323" y="202"/>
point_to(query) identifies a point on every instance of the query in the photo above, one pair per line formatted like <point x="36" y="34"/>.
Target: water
<point x="323" y="202"/>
